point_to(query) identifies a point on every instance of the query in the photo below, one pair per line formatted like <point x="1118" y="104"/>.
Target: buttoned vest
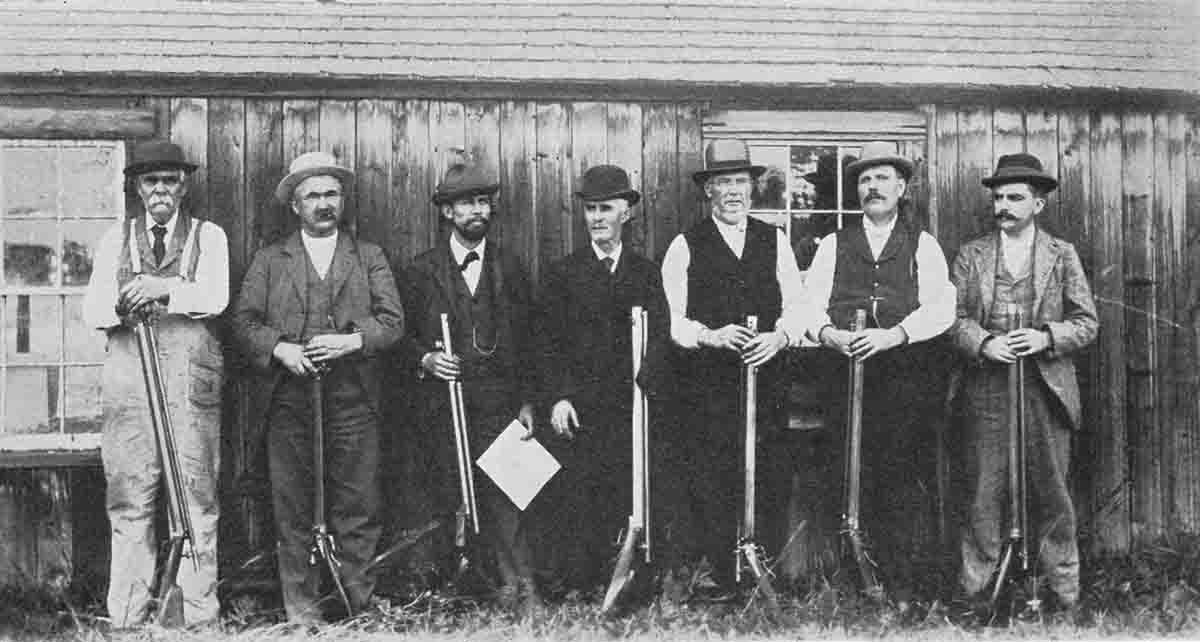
<point x="137" y="254"/>
<point x="886" y="286"/>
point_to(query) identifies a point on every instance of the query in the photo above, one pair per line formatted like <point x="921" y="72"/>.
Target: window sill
<point x="49" y="451"/>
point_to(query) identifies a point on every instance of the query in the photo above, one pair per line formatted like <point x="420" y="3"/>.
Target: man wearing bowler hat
<point x="897" y="273"/>
<point x="487" y="295"/>
<point x="587" y="370"/>
<point x="319" y="302"/>
<point x="161" y="262"/>
<point x="726" y="267"/>
<point x="1021" y="264"/>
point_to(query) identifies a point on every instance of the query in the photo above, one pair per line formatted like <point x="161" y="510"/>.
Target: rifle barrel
<point x="462" y="443"/>
<point x="750" y="407"/>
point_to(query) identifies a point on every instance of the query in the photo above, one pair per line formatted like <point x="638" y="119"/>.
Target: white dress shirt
<point x="459" y="252"/>
<point x="205" y="297"/>
<point x="685" y="331"/>
<point x="615" y="255"/>
<point x="936" y="295"/>
<point x="320" y="251"/>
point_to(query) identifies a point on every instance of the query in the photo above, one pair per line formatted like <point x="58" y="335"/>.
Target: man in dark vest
<point x="160" y="261"/>
<point x="1024" y="265"/>
<point x="319" y="299"/>
<point x="725" y="268"/>
<point x="897" y="273"/>
<point x="488" y="297"/>
<point x="587" y="370"/>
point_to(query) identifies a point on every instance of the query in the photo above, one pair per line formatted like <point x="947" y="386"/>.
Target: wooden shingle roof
<point x="1134" y="44"/>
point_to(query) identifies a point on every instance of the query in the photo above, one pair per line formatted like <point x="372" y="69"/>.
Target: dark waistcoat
<point x="181" y="258"/>
<point x="887" y="285"/>
<point x="480" y="337"/>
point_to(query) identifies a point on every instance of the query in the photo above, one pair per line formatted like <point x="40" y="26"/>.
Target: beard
<point x="474" y="230"/>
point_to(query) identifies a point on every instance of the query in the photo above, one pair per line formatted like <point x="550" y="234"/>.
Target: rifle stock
<point x="169" y="598"/>
<point x="749" y="555"/>
<point x="638" y="532"/>
<point x="324" y="548"/>
<point x="851" y="524"/>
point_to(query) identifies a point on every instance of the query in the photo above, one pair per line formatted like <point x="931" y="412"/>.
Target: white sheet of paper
<point x="520" y="468"/>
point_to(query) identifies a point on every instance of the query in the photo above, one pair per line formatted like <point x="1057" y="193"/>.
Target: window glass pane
<point x="32" y="328"/>
<point x="771" y="188"/>
<point x="80" y="239"/>
<point x="807" y="230"/>
<point x="32" y="396"/>
<point x="29" y="252"/>
<point x="82" y="343"/>
<point x="91" y="187"/>
<point x="30" y="181"/>
<point x="84" y="406"/>
<point x="814" y="184"/>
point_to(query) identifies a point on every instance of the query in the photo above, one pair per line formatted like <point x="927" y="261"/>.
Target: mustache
<point x="873" y="196"/>
<point x="1004" y="216"/>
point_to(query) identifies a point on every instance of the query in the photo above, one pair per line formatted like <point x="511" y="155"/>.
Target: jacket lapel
<point x="297" y="271"/>
<point x="174" y="245"/>
<point x="1045" y="257"/>
<point x="345" y="259"/>
<point x="987" y="277"/>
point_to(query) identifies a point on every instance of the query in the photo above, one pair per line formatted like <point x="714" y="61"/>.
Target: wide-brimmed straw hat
<point x="1021" y="168"/>
<point x="461" y="181"/>
<point x="309" y="165"/>
<point x="880" y="152"/>
<point x="724" y="156"/>
<point x="604" y="182"/>
<point x="153" y="155"/>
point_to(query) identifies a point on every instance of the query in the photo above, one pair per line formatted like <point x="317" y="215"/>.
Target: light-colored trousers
<point x="192" y="373"/>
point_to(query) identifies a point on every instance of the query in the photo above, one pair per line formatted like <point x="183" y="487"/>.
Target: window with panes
<point x="57" y="199"/>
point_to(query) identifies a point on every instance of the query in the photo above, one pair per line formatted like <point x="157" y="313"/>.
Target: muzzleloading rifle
<point x="467" y="516"/>
<point x="851" y="526"/>
<point x="169" y="597"/>
<point x="1014" y="563"/>
<point x="750" y="558"/>
<point x="636" y="537"/>
<point x="324" y="548"/>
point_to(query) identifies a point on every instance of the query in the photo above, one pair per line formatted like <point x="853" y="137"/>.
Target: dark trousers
<point x="351" y="440"/>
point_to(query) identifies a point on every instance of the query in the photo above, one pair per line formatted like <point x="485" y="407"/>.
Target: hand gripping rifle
<point x="851" y="527"/>
<point x="637" y="534"/>
<point x="324" y="548"/>
<point x="749" y="555"/>
<point x="468" y="511"/>
<point x="1014" y="558"/>
<point x="170" y="596"/>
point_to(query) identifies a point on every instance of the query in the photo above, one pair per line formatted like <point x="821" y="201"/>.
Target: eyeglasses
<point x="151" y="180"/>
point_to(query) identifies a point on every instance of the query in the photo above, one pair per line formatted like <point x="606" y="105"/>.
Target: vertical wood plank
<point x="918" y="190"/>
<point x="301" y="134"/>
<point x="554" y="169"/>
<point x="1142" y="359"/>
<point x="660" y="176"/>
<point x="1187" y="445"/>
<point x="226" y="175"/>
<point x="336" y="135"/>
<point x="975" y="161"/>
<point x="1008" y="132"/>
<point x="588" y="147"/>
<point x="949" y="213"/>
<point x="624" y="149"/>
<point x="1111" y="498"/>
<point x="518" y="162"/>
<point x="373" y="171"/>
<point x="447" y="133"/>
<point x="264" y="168"/>
<point x="412" y="181"/>
<point x="1041" y="140"/>
<point x="691" y="159"/>
<point x="189" y="130"/>
<point x="481" y="121"/>
<point x="53" y="525"/>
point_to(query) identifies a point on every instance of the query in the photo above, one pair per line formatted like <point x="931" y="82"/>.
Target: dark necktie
<point x="608" y="264"/>
<point x="471" y="257"/>
<point x="160" y="248"/>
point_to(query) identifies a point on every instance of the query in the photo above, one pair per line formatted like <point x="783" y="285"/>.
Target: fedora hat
<point x="309" y="165"/>
<point x="603" y="182"/>
<point x="157" y="154"/>
<point x="463" y="180"/>
<point x="724" y="156"/>
<point x="880" y="152"/>
<point x="1021" y="168"/>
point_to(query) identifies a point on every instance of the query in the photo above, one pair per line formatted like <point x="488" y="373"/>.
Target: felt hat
<point x="880" y="152"/>
<point x="463" y="180"/>
<point x="157" y="154"/>
<point x="724" y="156"/>
<point x="309" y="165"/>
<point x="1021" y="168"/>
<point x="604" y="182"/>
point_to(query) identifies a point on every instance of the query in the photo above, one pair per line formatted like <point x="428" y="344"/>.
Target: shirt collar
<point x="728" y="227"/>
<point x="615" y="255"/>
<point x="459" y="252"/>
<point x="874" y="229"/>
<point x="170" y="225"/>
<point x="312" y="241"/>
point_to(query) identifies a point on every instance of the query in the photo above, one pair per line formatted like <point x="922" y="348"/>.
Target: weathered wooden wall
<point x="1129" y="200"/>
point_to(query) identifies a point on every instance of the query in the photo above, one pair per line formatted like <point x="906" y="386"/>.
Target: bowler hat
<point x="1021" y="168"/>
<point x="879" y="152"/>
<point x="309" y="165"/>
<point x="603" y="182"/>
<point x="463" y="180"/>
<point x="725" y="156"/>
<point x="157" y="154"/>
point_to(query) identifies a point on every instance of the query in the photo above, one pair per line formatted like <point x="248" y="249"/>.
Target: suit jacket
<point x="584" y="329"/>
<point x="1063" y="305"/>
<point x="270" y="308"/>
<point x="431" y="285"/>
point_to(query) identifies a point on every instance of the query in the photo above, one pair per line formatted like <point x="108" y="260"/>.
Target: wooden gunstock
<point x="468" y="509"/>
<point x="851" y="520"/>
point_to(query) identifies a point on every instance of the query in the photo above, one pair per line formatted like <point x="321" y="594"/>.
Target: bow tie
<point x="471" y="257"/>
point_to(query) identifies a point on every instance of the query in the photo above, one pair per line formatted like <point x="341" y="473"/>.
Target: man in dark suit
<point x="319" y="300"/>
<point x="1021" y="264"/>
<point x="586" y="363"/>
<point x="487" y="295"/>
